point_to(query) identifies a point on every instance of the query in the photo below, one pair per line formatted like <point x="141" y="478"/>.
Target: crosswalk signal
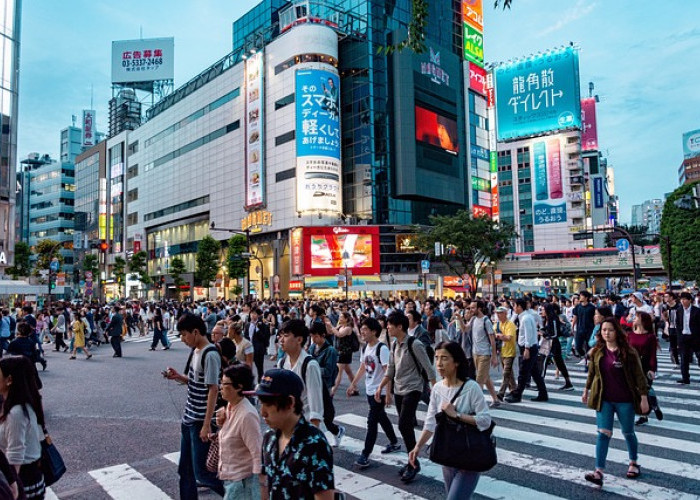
<point x="420" y="282"/>
<point x="104" y="246"/>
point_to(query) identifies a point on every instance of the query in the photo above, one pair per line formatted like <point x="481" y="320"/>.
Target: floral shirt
<point x="304" y="468"/>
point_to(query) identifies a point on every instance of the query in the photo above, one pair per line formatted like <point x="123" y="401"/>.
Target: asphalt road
<point x="119" y="419"/>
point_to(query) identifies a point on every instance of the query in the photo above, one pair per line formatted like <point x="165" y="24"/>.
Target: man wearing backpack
<point x="373" y="364"/>
<point x="484" y="348"/>
<point x="202" y="379"/>
<point x="409" y="366"/>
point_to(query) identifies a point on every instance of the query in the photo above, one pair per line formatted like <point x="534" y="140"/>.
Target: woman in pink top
<point x="643" y="339"/>
<point x="240" y="437"/>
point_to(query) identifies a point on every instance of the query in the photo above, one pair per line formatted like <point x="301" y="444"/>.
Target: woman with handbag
<point x="21" y="423"/>
<point x="240" y="436"/>
<point x="461" y="400"/>
<point x="615" y="384"/>
<point x="644" y="340"/>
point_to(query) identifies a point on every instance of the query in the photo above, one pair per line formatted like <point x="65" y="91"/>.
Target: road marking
<point x="367" y="488"/>
<point x="173" y="457"/>
<point x="50" y="495"/>
<point x="122" y="482"/>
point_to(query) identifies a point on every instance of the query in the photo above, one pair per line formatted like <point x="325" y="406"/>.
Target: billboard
<point x="473" y="13"/>
<point x="537" y="95"/>
<point x="691" y="144"/>
<point x="549" y="203"/>
<point x="589" y="127"/>
<point x="473" y="45"/>
<point x="598" y="198"/>
<point x="437" y="130"/>
<point x="324" y="248"/>
<point x="88" y="128"/>
<point x="318" y="141"/>
<point x="477" y="78"/>
<point x="143" y="60"/>
<point x="254" y="138"/>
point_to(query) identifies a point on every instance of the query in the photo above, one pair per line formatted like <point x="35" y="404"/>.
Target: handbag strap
<point x="454" y="398"/>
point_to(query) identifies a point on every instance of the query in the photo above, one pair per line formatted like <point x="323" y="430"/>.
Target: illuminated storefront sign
<point x="254" y="138"/>
<point x="328" y="250"/>
<point x="296" y="251"/>
<point x="547" y="187"/>
<point x="433" y="70"/>
<point x="254" y="220"/>
<point x="473" y="45"/>
<point x="589" y="127"/>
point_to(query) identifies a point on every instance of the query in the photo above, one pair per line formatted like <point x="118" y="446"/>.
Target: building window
<point x="132" y="172"/>
<point x="132" y="219"/>
<point x="288" y="99"/>
<point x="302" y="58"/>
<point x="132" y="195"/>
<point x="177" y="208"/>
<point x="285" y="174"/>
<point x="286" y="137"/>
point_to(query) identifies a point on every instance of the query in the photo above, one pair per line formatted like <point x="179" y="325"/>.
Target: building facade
<point x="648" y="214"/>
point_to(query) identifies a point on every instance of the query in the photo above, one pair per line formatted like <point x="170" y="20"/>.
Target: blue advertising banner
<point x="548" y="193"/>
<point x="318" y="141"/>
<point x="691" y="144"/>
<point x="537" y="95"/>
<point x="598" y="192"/>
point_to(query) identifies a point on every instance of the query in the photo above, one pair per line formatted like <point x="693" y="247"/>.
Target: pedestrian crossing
<point x="544" y="450"/>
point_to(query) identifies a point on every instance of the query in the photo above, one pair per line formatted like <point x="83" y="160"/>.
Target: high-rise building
<point x="124" y="112"/>
<point x="648" y="214"/>
<point x="325" y="130"/>
<point x="10" y="14"/>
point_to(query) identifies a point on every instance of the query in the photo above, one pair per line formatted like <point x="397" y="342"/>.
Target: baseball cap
<point x="501" y="309"/>
<point x="638" y="296"/>
<point x="278" y="382"/>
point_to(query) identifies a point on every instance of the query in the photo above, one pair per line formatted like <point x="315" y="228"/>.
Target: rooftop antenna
<point x="92" y="91"/>
<point x="141" y="32"/>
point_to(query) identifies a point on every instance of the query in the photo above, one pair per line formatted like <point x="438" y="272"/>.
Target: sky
<point x="641" y="56"/>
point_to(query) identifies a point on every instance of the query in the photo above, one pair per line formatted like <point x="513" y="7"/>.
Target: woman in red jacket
<point x="643" y="339"/>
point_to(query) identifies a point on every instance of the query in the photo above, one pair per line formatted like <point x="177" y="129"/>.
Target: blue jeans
<point x="193" y="463"/>
<point x="245" y="489"/>
<point x="604" y="421"/>
<point x="459" y="484"/>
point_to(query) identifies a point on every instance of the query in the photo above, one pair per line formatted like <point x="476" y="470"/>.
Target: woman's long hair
<point x="23" y="389"/>
<point x="647" y="325"/>
<point x="458" y="356"/>
<point x="623" y="345"/>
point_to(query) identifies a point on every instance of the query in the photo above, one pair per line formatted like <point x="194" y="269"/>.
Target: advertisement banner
<point x="88" y="128"/>
<point x="254" y="139"/>
<point x="102" y="206"/>
<point x="589" y="127"/>
<point x="473" y="45"/>
<point x="327" y="250"/>
<point x="477" y="78"/>
<point x="436" y="129"/>
<point x="143" y="60"/>
<point x="473" y="13"/>
<point x="480" y="211"/>
<point x="548" y="196"/>
<point x="691" y="144"/>
<point x="537" y="95"/>
<point x="296" y="253"/>
<point x="318" y="141"/>
<point x="598" y="192"/>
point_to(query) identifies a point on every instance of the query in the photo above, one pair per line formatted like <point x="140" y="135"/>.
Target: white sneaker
<point x="582" y="362"/>
<point x="339" y="437"/>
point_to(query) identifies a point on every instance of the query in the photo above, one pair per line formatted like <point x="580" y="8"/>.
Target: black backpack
<point x="425" y="396"/>
<point x="220" y="401"/>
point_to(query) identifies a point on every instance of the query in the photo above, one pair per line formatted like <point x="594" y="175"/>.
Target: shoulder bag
<point x="52" y="465"/>
<point x="462" y="446"/>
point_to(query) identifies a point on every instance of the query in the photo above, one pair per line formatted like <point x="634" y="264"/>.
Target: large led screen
<point x="437" y="130"/>
<point x="547" y="183"/>
<point x="327" y="250"/>
<point x="537" y="95"/>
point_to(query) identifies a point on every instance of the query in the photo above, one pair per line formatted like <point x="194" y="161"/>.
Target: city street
<point x="116" y="422"/>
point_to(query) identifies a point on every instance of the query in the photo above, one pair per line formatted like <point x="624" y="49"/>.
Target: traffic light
<point x="420" y="282"/>
<point x="103" y="246"/>
<point x="52" y="280"/>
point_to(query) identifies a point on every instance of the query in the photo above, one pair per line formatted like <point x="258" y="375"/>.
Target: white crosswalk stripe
<point x="121" y="482"/>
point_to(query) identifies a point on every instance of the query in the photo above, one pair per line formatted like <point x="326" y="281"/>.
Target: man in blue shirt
<point x="527" y="342"/>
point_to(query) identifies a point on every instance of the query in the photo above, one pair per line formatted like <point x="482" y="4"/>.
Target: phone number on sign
<point x="133" y="63"/>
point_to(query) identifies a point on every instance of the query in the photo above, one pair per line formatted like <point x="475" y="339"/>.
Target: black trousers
<point x="377" y="416"/>
<point x="528" y="368"/>
<point x="116" y="342"/>
<point x="406" y="405"/>
<point x="58" y="339"/>
<point x="673" y="346"/>
<point x="686" y="348"/>
<point x="581" y="339"/>
<point x="558" y="361"/>
<point x="259" y="359"/>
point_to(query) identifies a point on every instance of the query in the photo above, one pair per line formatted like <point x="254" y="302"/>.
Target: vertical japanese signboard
<point x="254" y="120"/>
<point x="88" y="128"/>
<point x="539" y="94"/>
<point x="318" y="168"/>
<point x="477" y="78"/>
<point x="547" y="188"/>
<point x="589" y="128"/>
<point x="102" y="218"/>
<point x="598" y="199"/>
<point x="473" y="33"/>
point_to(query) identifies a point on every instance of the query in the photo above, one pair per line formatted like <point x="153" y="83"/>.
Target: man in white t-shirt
<point x="373" y="364"/>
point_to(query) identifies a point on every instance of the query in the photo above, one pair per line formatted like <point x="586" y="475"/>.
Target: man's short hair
<point x="296" y="327"/>
<point x="522" y="303"/>
<point x="28" y="309"/>
<point x="415" y="315"/>
<point x="318" y="328"/>
<point x="189" y="322"/>
<point x="686" y="295"/>
<point x="373" y="325"/>
<point x="586" y="293"/>
<point x="398" y="319"/>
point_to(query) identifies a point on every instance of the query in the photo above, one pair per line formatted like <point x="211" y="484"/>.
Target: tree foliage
<point x="207" y="260"/>
<point x="91" y="263"/>
<point x="119" y="272"/>
<point x="138" y="267"/>
<point x="23" y="265"/>
<point x="470" y="243"/>
<point x="682" y="226"/>
<point x="45" y="251"/>
<point x="416" y="28"/>
<point x="237" y="265"/>
<point x="638" y="233"/>
<point x="177" y="269"/>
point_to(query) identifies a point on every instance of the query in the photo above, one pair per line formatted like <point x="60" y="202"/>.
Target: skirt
<point x="32" y="480"/>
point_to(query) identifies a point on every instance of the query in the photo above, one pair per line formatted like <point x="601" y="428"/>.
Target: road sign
<point x="88" y="276"/>
<point x="54" y="264"/>
<point x="425" y="266"/>
<point x="583" y="236"/>
<point x="623" y="245"/>
<point x="44" y="272"/>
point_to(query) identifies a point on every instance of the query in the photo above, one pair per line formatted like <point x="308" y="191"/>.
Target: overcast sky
<point x="642" y="57"/>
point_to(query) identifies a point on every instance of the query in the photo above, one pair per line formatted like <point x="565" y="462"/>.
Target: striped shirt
<point x="198" y="382"/>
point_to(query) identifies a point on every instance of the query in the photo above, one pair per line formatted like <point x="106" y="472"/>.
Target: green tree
<point x="682" y="226"/>
<point x="177" y="269"/>
<point x="638" y="233"/>
<point x="207" y="260"/>
<point x="237" y="265"/>
<point x="470" y="243"/>
<point x="138" y="267"/>
<point x="91" y="263"/>
<point x="119" y="272"/>
<point x="23" y="265"/>
<point x="45" y="251"/>
<point x="416" y="27"/>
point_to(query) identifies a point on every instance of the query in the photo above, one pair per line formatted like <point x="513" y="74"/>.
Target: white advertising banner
<point x="143" y="60"/>
<point x="254" y="125"/>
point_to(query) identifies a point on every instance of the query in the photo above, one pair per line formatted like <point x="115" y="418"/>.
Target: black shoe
<point x="659" y="414"/>
<point x="411" y="473"/>
<point x="542" y="399"/>
<point x="682" y="382"/>
<point x="500" y="397"/>
<point x="166" y="348"/>
<point x="116" y="355"/>
<point x="595" y="478"/>
<point x="641" y="421"/>
<point x="403" y="469"/>
<point x="566" y="387"/>
<point x="152" y="349"/>
<point x="43" y="365"/>
<point x="512" y="399"/>
<point x="391" y="448"/>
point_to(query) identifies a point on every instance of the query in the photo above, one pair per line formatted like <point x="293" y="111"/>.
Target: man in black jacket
<point x="114" y="332"/>
<point x="258" y="332"/>
<point x="688" y="331"/>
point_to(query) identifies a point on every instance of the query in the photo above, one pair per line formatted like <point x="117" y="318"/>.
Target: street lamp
<point x="245" y="233"/>
<point x="346" y="259"/>
<point x="248" y="255"/>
